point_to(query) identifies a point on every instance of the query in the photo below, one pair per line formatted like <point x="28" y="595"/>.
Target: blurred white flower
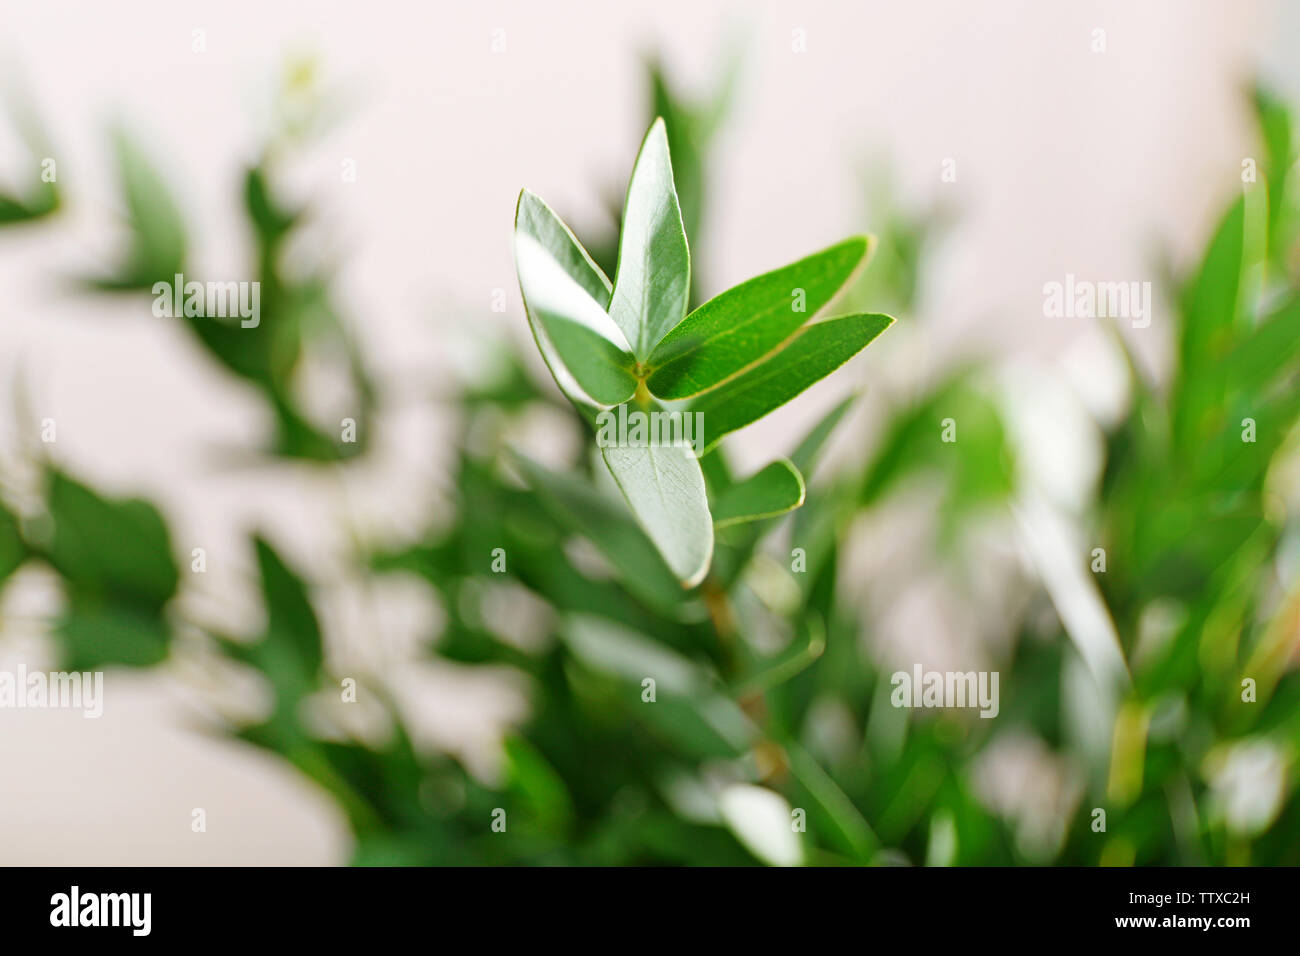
<point x="763" y="821"/>
<point x="1019" y="778"/>
<point x="1248" y="783"/>
<point x="1058" y="445"/>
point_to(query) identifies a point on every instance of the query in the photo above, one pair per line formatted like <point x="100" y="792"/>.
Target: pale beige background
<point x="1067" y="161"/>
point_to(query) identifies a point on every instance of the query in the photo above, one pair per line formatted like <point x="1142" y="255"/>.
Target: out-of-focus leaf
<point x="717" y="473"/>
<point x="608" y="526"/>
<point x="271" y="221"/>
<point x="631" y="656"/>
<point x="843" y="820"/>
<point x="295" y="437"/>
<point x="1267" y="350"/>
<point x="541" y="787"/>
<point x="691" y="128"/>
<point x="742" y="325"/>
<point x="1209" y="325"/>
<point x="772" y="672"/>
<point x="814" y="532"/>
<point x="687" y="710"/>
<point x="815" y="527"/>
<point x="774" y="490"/>
<point x="42" y="197"/>
<point x="811" y="355"/>
<point x="296" y="317"/>
<point x="97" y="634"/>
<point x="290" y="620"/>
<point x="652" y="286"/>
<point x="978" y="462"/>
<point x="289" y="655"/>
<point x="1278" y="132"/>
<point x="893" y="278"/>
<point x="806" y="456"/>
<point x="156" y="252"/>
<point x="112" y="550"/>
<point x="116" y="561"/>
<point x="43" y="200"/>
<point x="12" y="550"/>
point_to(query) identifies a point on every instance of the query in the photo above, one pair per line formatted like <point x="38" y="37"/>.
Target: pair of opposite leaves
<point x="739" y="356"/>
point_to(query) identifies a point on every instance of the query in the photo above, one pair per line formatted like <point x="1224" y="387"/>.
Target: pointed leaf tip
<point x="810" y="356"/>
<point x="776" y="489"/>
<point x="652" y="284"/>
<point x="738" y="328"/>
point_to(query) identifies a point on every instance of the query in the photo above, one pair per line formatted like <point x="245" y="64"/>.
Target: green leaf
<point x="1213" y="294"/>
<point x="688" y="710"/>
<point x="296" y="437"/>
<point x="289" y="655"/>
<point x="688" y="139"/>
<point x="806" y="456"/>
<point x="775" y="490"/>
<point x="813" y="354"/>
<point x="850" y="829"/>
<point x="771" y="672"/>
<point x="41" y="198"/>
<point x="1278" y="132"/>
<point x="736" y="329"/>
<point x="538" y="783"/>
<point x="631" y="656"/>
<point x="664" y="487"/>
<point x="588" y="346"/>
<point x="605" y="523"/>
<point x="116" y="561"/>
<point x="652" y="286"/>
<point x="1268" y="350"/>
<point x="815" y="526"/>
<point x="44" y="200"/>
<point x="157" y="249"/>
<point x="12" y="550"/>
<point x="536" y="219"/>
<point x="272" y="221"/>
<point x="717" y="473"/>
<point x="1211" y="310"/>
<point x="979" y="468"/>
<point x="117" y="550"/>
<point x="290" y="621"/>
<point x="691" y="127"/>
<point x="97" y="634"/>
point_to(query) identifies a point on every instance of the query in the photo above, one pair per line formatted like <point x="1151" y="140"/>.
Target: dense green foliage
<point x="1187" y="512"/>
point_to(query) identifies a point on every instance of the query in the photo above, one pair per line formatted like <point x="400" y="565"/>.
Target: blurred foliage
<point x="298" y="316"/>
<point x="38" y="196"/>
<point x="1193" y="523"/>
<point x="1192" y="530"/>
<point x="693" y="125"/>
